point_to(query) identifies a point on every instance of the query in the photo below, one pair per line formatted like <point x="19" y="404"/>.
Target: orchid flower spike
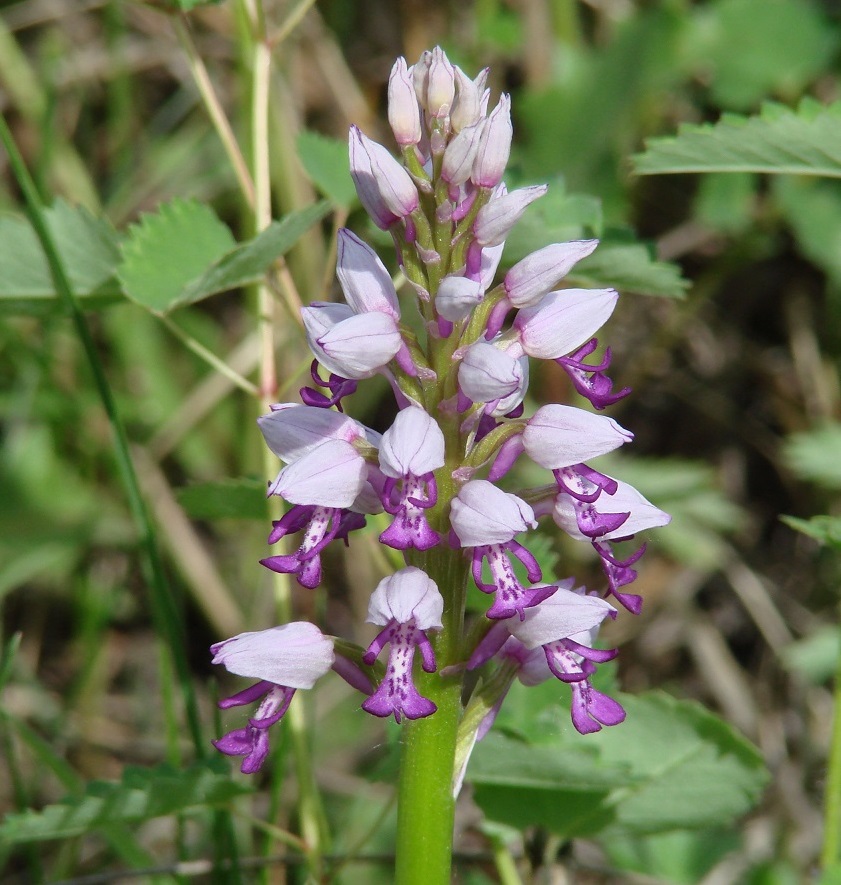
<point x="406" y="605"/>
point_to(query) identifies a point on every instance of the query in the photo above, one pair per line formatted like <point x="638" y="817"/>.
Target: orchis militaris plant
<point x="460" y="387"/>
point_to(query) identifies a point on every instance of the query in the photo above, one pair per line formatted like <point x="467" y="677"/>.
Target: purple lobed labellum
<point x="406" y="604"/>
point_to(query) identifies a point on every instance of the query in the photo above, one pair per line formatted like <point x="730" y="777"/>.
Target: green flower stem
<point x="831" y="852"/>
<point x="426" y="806"/>
<point x="167" y="618"/>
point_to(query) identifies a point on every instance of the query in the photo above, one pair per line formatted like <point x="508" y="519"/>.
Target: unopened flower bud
<point x="440" y="85"/>
<point x="494" y="146"/>
<point x="495" y="220"/>
<point x="530" y="279"/>
<point x="467" y="107"/>
<point x="385" y="188"/>
<point x="460" y="155"/>
<point x="403" y="110"/>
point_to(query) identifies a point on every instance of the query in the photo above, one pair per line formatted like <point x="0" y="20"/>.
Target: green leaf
<point x="682" y="857"/>
<point x="630" y="268"/>
<point x="751" y="49"/>
<point x="780" y="141"/>
<point x="249" y="261"/>
<point x="169" y="249"/>
<point x="824" y="529"/>
<point x="141" y="795"/>
<point x="326" y="163"/>
<point x="670" y="765"/>
<point x="814" y="658"/>
<point x="816" y="455"/>
<point x="813" y="209"/>
<point x="228" y="499"/>
<point x="89" y="251"/>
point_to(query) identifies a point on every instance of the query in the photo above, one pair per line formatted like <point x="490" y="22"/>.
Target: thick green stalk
<point x="426" y="805"/>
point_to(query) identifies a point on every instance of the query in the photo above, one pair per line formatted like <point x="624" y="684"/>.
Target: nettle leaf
<point x="824" y="529"/>
<point x="142" y="794"/>
<point x="88" y="247"/>
<point x="184" y="253"/>
<point x="779" y="140"/>
<point x="228" y="499"/>
<point x="169" y="249"/>
<point x="670" y="765"/>
<point x="630" y="268"/>
<point x="326" y="162"/>
<point x="815" y="455"/>
<point x="248" y="262"/>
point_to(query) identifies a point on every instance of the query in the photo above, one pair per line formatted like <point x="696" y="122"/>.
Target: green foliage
<point x="681" y="857"/>
<point x="142" y="794"/>
<point x="825" y="529"/>
<point x="751" y="49"/>
<point x="249" y="261"/>
<point x="814" y="658"/>
<point x="815" y="455"/>
<point x="812" y="206"/>
<point x="630" y="268"/>
<point x="169" y="249"/>
<point x="672" y="765"/>
<point x="227" y="499"/>
<point x="184" y="253"/>
<point x="688" y="491"/>
<point x="620" y="261"/>
<point x="802" y="142"/>
<point x="87" y="245"/>
<point x="326" y="162"/>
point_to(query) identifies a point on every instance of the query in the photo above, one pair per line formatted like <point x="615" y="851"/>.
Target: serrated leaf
<point x="779" y="141"/>
<point x="816" y="455"/>
<point x="88" y="248"/>
<point x="824" y="529"/>
<point x="169" y="249"/>
<point x="141" y="795"/>
<point x="326" y="162"/>
<point x="675" y="766"/>
<point x="249" y="261"/>
<point x="228" y="499"/>
<point x="630" y="268"/>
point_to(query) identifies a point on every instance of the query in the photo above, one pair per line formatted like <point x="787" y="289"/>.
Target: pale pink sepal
<point x="295" y="655"/>
<point x="482" y="514"/>
<point x="407" y="595"/>
<point x="530" y="279"/>
<point x="626" y="499"/>
<point x="351" y="345"/>
<point x="403" y="109"/>
<point x="495" y="220"/>
<point x="366" y="283"/>
<point x="494" y="146"/>
<point x="457" y="296"/>
<point x="413" y="445"/>
<point x="564" y="614"/>
<point x="331" y="475"/>
<point x="385" y="188"/>
<point x="292" y="430"/>
<point x="559" y="436"/>
<point x="487" y="374"/>
<point x="562" y="321"/>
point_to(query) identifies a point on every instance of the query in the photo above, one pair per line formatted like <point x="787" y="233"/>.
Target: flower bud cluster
<point x="460" y="383"/>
